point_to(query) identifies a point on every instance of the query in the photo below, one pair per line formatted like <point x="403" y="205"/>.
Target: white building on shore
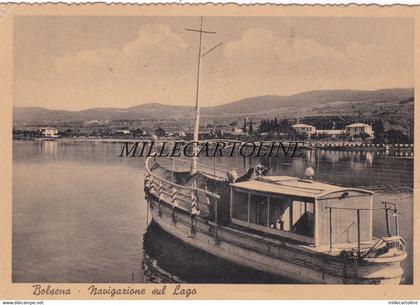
<point x="304" y="129"/>
<point x="49" y="132"/>
<point x="122" y="131"/>
<point x="358" y="128"/>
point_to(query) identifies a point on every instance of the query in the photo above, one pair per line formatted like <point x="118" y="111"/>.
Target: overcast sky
<point x="82" y="62"/>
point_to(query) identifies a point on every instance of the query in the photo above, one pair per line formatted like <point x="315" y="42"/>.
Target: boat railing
<point x="384" y="244"/>
<point x="212" y="171"/>
<point x="180" y="196"/>
<point x="392" y="240"/>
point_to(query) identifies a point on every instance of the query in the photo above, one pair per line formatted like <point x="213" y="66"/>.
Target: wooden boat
<point x="300" y="229"/>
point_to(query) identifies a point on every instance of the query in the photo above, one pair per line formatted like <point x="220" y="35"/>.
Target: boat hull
<point x="278" y="258"/>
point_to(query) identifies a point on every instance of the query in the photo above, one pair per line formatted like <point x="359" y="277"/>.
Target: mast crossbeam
<point x="200" y="31"/>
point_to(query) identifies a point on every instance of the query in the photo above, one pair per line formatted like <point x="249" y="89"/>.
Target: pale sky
<point x="76" y="63"/>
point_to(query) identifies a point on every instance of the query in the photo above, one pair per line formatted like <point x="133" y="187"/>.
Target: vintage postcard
<point x="208" y="152"/>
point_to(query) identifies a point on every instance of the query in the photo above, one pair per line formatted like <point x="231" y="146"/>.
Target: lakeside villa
<point x="358" y="128"/>
<point x="304" y="129"/>
<point x="49" y="132"/>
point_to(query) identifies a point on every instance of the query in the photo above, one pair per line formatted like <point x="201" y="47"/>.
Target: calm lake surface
<point x="79" y="213"/>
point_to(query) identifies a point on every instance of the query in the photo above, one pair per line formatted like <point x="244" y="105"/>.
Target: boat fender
<point x="160" y="198"/>
<point x="174" y="197"/>
<point x="152" y="187"/>
<point x="194" y="207"/>
<point x="174" y="203"/>
<point x="146" y="182"/>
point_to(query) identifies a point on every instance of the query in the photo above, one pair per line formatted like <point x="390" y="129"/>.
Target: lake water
<point x="79" y="213"/>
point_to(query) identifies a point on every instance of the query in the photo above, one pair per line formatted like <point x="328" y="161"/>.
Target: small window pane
<point x="240" y="206"/>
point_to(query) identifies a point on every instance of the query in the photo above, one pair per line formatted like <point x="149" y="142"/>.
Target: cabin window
<point x="258" y="212"/>
<point x="273" y="214"/>
<point x="240" y="205"/>
<point x="303" y="218"/>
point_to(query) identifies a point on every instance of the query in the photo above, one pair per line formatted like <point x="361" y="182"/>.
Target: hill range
<point x="390" y="104"/>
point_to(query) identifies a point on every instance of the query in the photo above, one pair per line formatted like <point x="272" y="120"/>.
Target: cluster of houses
<point x="350" y="130"/>
<point x="50" y="132"/>
<point x="309" y="130"/>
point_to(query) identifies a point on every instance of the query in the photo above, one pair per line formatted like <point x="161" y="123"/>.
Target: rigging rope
<point x="222" y="68"/>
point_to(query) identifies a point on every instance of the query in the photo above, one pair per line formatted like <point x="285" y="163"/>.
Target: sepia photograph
<point x="211" y="149"/>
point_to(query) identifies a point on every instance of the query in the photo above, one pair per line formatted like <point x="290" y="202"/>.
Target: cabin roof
<point x="294" y="187"/>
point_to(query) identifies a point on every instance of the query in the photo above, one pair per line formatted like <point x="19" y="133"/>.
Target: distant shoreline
<point x="332" y="146"/>
<point x="79" y="139"/>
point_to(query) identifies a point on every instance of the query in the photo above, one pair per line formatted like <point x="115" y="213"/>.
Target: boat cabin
<point x="303" y="210"/>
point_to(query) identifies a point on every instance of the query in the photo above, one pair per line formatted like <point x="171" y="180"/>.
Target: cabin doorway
<point x="303" y="218"/>
<point x="258" y="210"/>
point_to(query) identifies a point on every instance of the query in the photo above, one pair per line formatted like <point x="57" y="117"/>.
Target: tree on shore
<point x="160" y="132"/>
<point x="275" y="125"/>
<point x="244" y="127"/>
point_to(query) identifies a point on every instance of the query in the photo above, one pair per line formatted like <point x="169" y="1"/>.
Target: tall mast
<point x="197" y="106"/>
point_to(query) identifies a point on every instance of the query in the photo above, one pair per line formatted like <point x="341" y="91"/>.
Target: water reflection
<point x="168" y="260"/>
<point x="49" y="147"/>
